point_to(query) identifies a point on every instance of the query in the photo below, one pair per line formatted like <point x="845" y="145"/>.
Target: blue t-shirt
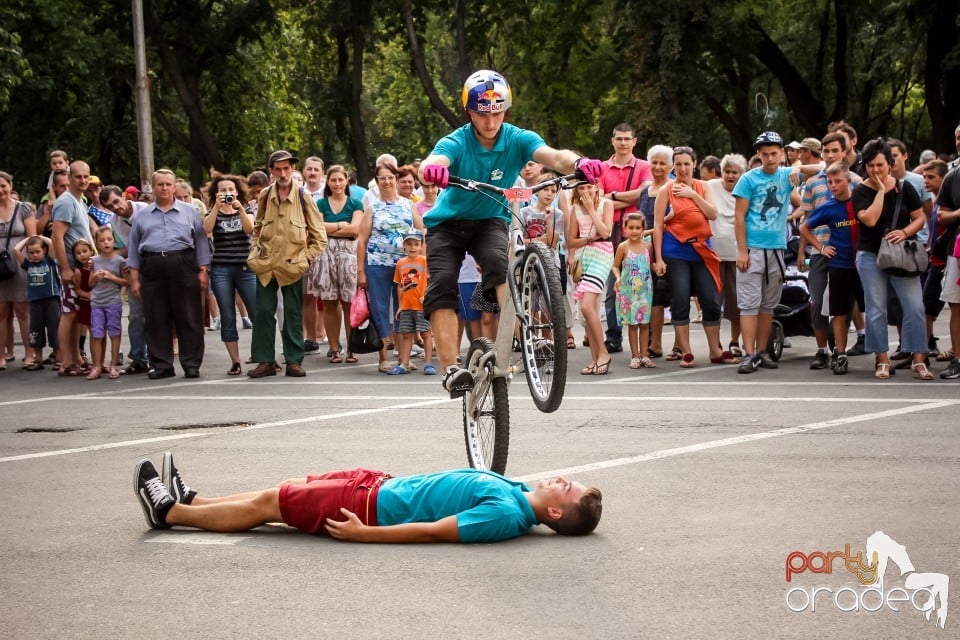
<point x="769" y="196"/>
<point x="43" y="280"/>
<point x="500" y="166"/>
<point x="844" y="226"/>
<point x="488" y="506"/>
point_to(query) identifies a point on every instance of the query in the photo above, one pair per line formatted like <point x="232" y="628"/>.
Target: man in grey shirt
<point x="70" y="224"/>
<point x="169" y="260"/>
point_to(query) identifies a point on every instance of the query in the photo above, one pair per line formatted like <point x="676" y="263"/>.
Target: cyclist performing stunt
<point x="489" y="150"/>
<point x="360" y="505"/>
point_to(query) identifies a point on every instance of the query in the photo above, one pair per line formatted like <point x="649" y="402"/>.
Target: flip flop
<point x="337" y="358"/>
<point x="350" y="358"/>
<point x="602" y="369"/>
<point x="34" y="366"/>
<point x="588" y="370"/>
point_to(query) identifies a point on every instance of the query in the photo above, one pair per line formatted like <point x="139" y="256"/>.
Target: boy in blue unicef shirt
<point x="361" y="505"/>
<point x="841" y="250"/>
<point x="43" y="291"/>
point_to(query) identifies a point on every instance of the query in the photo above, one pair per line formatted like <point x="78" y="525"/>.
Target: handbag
<point x="577" y="272"/>
<point x="903" y="259"/>
<point x="365" y="338"/>
<point x="8" y="266"/>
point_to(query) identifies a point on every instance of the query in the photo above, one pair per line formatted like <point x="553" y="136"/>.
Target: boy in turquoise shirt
<point x="361" y="505"/>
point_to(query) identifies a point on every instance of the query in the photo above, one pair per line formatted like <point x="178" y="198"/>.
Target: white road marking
<point x="263" y="425"/>
<point x="726" y="442"/>
<point x="631" y="398"/>
<point x="196" y="538"/>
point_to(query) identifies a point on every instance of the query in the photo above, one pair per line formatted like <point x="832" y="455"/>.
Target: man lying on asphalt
<point x="465" y="505"/>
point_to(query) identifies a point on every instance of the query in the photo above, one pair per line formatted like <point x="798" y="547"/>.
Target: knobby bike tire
<point x="541" y="302"/>
<point x="486" y="413"/>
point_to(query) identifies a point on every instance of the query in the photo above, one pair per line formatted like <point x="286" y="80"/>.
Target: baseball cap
<point x="132" y="190"/>
<point x="794" y="145"/>
<point x="811" y="144"/>
<point x="768" y="137"/>
<point x="95" y="180"/>
<point x="279" y="156"/>
<point x="413" y="235"/>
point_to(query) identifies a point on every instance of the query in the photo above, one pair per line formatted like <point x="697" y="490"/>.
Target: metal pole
<point x="144" y="118"/>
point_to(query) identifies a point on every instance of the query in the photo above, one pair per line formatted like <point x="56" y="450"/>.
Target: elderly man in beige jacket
<point x="287" y="238"/>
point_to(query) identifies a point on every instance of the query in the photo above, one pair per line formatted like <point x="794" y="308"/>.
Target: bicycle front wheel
<point x="486" y="412"/>
<point x="543" y="327"/>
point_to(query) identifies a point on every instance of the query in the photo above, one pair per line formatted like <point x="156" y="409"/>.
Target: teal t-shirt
<point x="488" y="506"/>
<point x="769" y="196"/>
<point x="345" y="215"/>
<point x="500" y="166"/>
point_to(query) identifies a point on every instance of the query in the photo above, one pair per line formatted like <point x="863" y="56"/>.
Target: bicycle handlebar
<point x="564" y="182"/>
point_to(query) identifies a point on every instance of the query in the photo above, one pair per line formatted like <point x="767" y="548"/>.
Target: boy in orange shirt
<point x="410" y="277"/>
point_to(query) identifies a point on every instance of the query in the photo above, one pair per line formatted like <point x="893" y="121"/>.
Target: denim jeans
<point x="136" y="332"/>
<point x="875" y="283"/>
<point x="381" y="290"/>
<point x="225" y="280"/>
<point x="614" y="330"/>
<point x="692" y="278"/>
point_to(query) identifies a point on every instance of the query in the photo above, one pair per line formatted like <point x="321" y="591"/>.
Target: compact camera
<point x="228" y="198"/>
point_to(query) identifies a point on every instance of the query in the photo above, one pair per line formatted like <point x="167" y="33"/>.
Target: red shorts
<point x="307" y="506"/>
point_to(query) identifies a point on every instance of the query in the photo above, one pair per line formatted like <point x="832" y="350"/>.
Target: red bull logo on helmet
<point x="490" y="101"/>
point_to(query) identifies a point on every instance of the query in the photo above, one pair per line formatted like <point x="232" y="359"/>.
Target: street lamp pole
<point x="144" y="119"/>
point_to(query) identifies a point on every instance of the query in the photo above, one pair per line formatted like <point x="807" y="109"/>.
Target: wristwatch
<point x="613" y="196"/>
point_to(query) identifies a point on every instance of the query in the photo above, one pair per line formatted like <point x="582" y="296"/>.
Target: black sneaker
<point x="900" y="355"/>
<point x="154" y="497"/>
<point x="859" y="348"/>
<point x="820" y="361"/>
<point x="952" y="372"/>
<point x="613" y="347"/>
<point x="766" y="362"/>
<point x="841" y="364"/>
<point x="457" y="381"/>
<point x="175" y="485"/>
<point x="749" y="364"/>
<point x="932" y="349"/>
<point x="309" y="346"/>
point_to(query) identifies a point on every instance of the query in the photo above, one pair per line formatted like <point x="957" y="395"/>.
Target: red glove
<point x="591" y="169"/>
<point x="436" y="174"/>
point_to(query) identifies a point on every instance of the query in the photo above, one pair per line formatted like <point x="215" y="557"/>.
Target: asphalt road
<point x="710" y="479"/>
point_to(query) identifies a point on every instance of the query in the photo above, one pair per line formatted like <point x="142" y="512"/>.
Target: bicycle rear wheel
<point x="486" y="412"/>
<point x="543" y="327"/>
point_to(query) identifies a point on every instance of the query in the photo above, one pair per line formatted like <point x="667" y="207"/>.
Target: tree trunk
<point x="942" y="82"/>
<point x="420" y="64"/>
<point x="460" y="21"/>
<point x="358" y="135"/>
<point x="203" y="147"/>
<point x="806" y="107"/>
<point x="840" y="75"/>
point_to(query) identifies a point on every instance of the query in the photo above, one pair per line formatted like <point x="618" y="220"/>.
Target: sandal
<point x="249" y="360"/>
<point x="726" y="357"/>
<point x="351" y="359"/>
<point x="919" y="371"/>
<point x="34" y="366"/>
<point x="337" y="357"/>
<point x="687" y="361"/>
<point x="647" y="363"/>
<point x="945" y="356"/>
<point x="602" y="369"/>
<point x="735" y="350"/>
<point x="635" y="363"/>
<point x="588" y="370"/>
<point x="114" y="374"/>
<point x="95" y="373"/>
<point x="882" y="370"/>
<point x="571" y="342"/>
<point x="655" y="354"/>
<point x="70" y="370"/>
<point x="235" y="370"/>
<point x="676" y="354"/>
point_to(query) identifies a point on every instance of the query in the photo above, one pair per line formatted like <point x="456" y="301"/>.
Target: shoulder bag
<point x="8" y="266"/>
<point x="903" y="259"/>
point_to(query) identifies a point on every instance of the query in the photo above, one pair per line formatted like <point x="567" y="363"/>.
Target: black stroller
<point x="793" y="316"/>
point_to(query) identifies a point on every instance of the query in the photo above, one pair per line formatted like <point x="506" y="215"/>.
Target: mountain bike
<point x="532" y="312"/>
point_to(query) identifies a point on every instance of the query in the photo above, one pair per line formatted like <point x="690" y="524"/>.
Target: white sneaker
<point x="416" y="350"/>
<point x="215" y="324"/>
